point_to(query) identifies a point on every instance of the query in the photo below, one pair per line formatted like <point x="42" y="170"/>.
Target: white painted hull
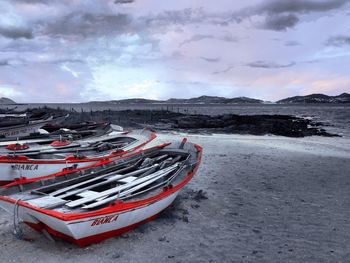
<point x="27" y="129"/>
<point x="21" y="130"/>
<point x="31" y="170"/>
<point x="83" y="226"/>
<point x="90" y="229"/>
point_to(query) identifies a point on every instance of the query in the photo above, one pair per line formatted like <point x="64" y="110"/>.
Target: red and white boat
<point x="26" y="127"/>
<point x="105" y="200"/>
<point x="33" y="165"/>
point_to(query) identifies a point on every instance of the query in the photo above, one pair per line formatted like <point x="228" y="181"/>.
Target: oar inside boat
<point x="102" y="201"/>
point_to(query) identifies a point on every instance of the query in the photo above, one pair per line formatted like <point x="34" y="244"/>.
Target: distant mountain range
<point x="317" y="98"/>
<point x="6" y="101"/>
<point x="198" y="100"/>
<point x="313" y="98"/>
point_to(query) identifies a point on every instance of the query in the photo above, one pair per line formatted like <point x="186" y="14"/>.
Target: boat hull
<point x="92" y="229"/>
<point x="26" y="129"/>
<point x="23" y="130"/>
<point x="11" y="171"/>
<point x="84" y="227"/>
<point x="24" y="169"/>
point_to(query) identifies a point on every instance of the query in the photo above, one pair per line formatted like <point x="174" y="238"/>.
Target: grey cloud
<point x="34" y="1"/>
<point x="338" y="41"/>
<point x="87" y="24"/>
<point x="292" y="43"/>
<point x="282" y="15"/>
<point x="16" y="32"/>
<point x="189" y="16"/>
<point x="280" y="22"/>
<point x="11" y="62"/>
<point x="223" y="71"/>
<point x="300" y="6"/>
<point x="212" y="60"/>
<point x="196" y="38"/>
<point x="177" y="55"/>
<point x="3" y="63"/>
<point x="269" y="65"/>
<point x="178" y="17"/>
<point x="229" y="38"/>
<point x="123" y="1"/>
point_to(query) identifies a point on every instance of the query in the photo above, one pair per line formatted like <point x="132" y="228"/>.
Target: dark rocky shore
<point x="283" y="125"/>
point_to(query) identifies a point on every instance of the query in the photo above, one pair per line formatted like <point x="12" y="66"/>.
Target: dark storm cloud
<point x="338" y="41"/>
<point x="16" y="32"/>
<point x="280" y="22"/>
<point x="282" y="15"/>
<point x="87" y="24"/>
<point x="212" y="60"/>
<point x="268" y="65"/>
<point x="300" y="6"/>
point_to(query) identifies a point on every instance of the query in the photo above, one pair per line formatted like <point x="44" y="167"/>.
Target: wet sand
<point x="254" y="199"/>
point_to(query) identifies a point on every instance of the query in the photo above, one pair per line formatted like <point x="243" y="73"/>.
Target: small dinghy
<point x="32" y="164"/>
<point x="94" y="204"/>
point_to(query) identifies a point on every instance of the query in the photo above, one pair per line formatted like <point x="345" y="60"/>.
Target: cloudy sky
<point x="82" y="50"/>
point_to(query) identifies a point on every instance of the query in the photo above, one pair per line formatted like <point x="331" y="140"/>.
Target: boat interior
<point x="59" y="134"/>
<point x="139" y="176"/>
<point x="95" y="143"/>
<point x="94" y="149"/>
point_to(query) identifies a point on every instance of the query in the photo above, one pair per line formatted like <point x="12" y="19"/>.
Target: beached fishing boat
<point x="31" y="164"/>
<point x="94" y="204"/>
<point x="24" y="127"/>
<point x="61" y="138"/>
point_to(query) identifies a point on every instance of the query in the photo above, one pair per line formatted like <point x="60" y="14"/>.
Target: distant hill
<point x="134" y="101"/>
<point x="214" y="99"/>
<point x="317" y="98"/>
<point x="6" y="101"/>
<point x="198" y="100"/>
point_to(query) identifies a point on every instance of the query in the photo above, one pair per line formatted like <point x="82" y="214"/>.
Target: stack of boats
<point x="92" y="182"/>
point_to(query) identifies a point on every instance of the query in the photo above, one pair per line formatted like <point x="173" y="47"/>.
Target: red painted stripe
<point x="115" y="207"/>
<point x="2" y="183"/>
<point x="24" y="159"/>
<point x="83" y="242"/>
<point x="99" y="162"/>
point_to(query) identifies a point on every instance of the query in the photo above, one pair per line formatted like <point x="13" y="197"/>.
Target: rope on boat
<point x="17" y="230"/>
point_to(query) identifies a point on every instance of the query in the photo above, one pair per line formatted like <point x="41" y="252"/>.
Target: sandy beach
<point x="254" y="199"/>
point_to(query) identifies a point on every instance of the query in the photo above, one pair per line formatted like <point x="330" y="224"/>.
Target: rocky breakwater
<point x="284" y="125"/>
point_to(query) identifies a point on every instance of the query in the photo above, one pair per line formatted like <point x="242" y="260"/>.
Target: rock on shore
<point x="284" y="125"/>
